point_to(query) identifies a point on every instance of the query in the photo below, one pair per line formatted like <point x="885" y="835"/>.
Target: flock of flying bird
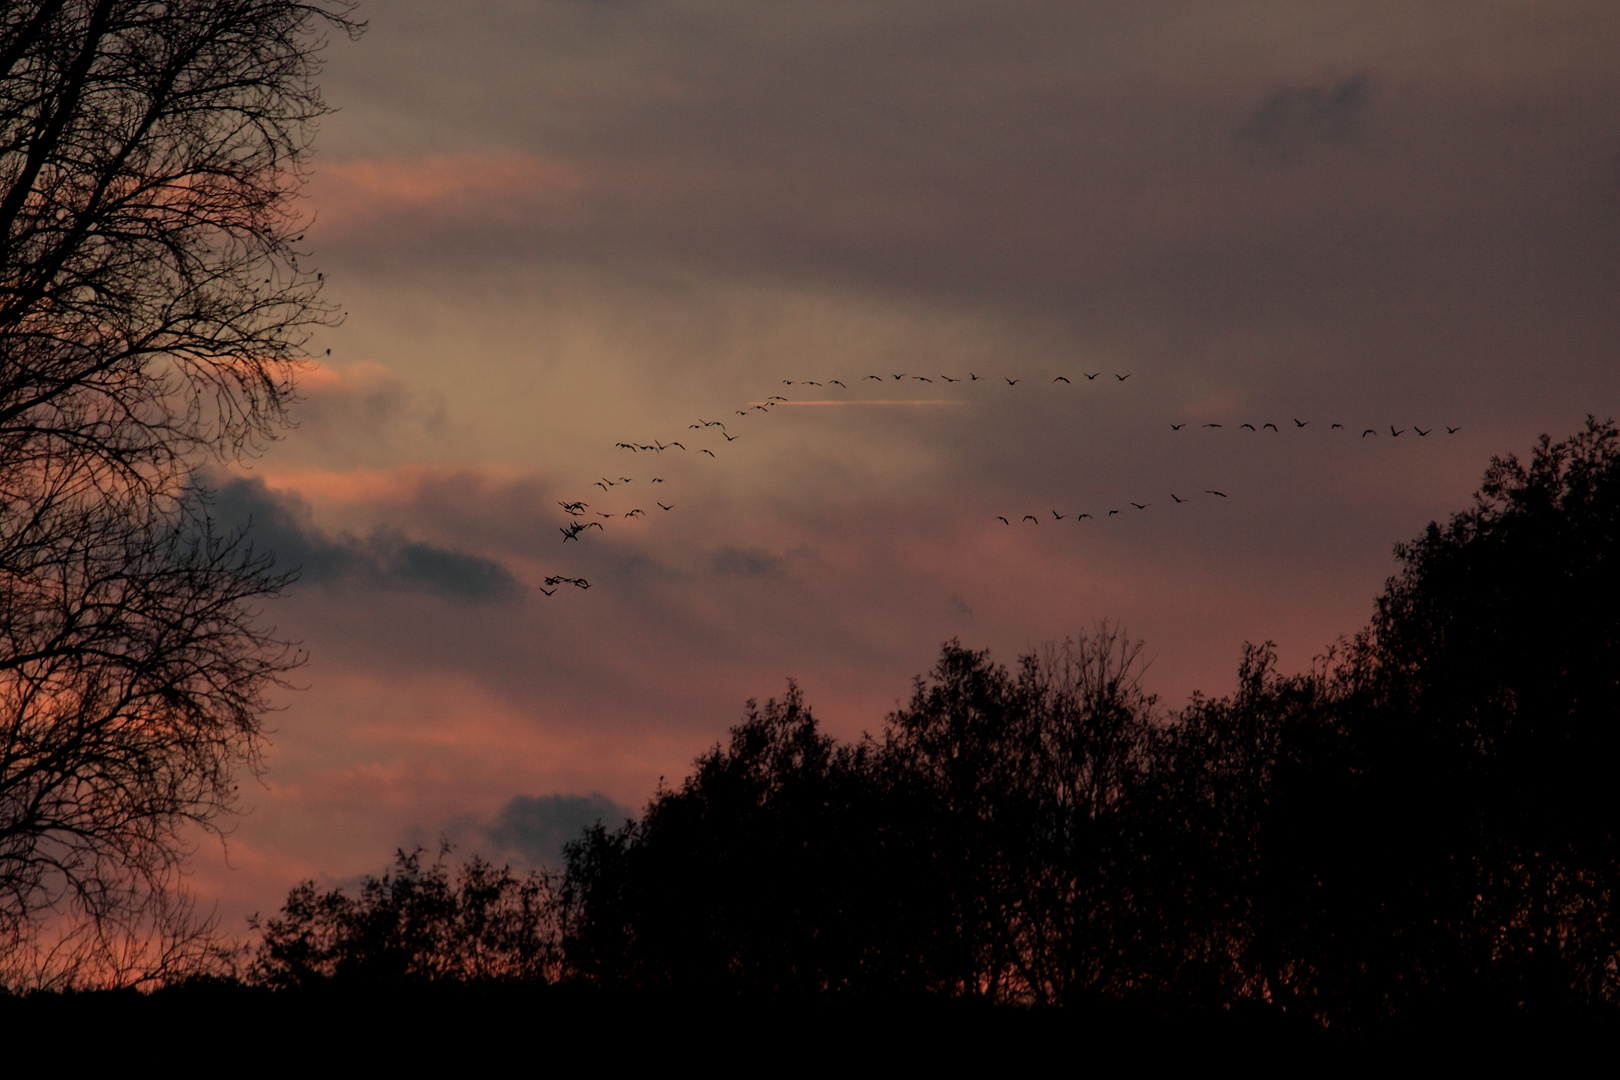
<point x="585" y="518"/>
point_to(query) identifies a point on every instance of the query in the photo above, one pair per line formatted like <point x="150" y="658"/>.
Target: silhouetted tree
<point x="152" y="312"/>
<point x="415" y="924"/>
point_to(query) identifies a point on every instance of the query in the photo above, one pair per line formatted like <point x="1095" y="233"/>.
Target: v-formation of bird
<point x="579" y="509"/>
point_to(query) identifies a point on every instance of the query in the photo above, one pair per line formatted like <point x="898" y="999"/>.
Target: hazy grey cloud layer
<point x="559" y="226"/>
<point x="282" y="524"/>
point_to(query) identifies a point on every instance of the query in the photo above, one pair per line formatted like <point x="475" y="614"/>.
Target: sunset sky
<point x="557" y="226"/>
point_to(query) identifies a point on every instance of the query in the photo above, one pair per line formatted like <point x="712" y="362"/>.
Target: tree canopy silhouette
<point x="153" y="309"/>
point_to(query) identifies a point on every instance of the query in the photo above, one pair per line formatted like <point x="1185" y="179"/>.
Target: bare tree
<point x="153" y="313"/>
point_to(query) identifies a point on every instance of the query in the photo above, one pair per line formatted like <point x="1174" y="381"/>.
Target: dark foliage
<point x="1419" y="833"/>
<point x="414" y="924"/>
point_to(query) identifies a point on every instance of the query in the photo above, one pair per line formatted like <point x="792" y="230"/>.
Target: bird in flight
<point x="1090" y="376"/>
<point x="1057" y="515"/>
<point x="807" y="382"/>
<point x="1177" y="427"/>
<point x="574" y="508"/>
<point x="921" y="378"/>
<point x="1003" y="520"/>
<point x="571" y="532"/>
<point x="1336" y="427"/>
<point x="1011" y="382"/>
<point x="627" y="446"/>
<point x="1062" y="379"/>
<point x="1140" y="506"/>
<point x="947" y="378"/>
<point x="1249" y="426"/>
<point x="1081" y="517"/>
<point x="787" y="382"/>
<point x="681" y="446"/>
<point x="1368" y="432"/>
<point x="602" y="485"/>
<point x="662" y="506"/>
<point x="1392" y="430"/>
<point x="972" y="377"/>
<point x="900" y="376"/>
<point x="1123" y="377"/>
<point x="1420" y="431"/>
<point x="709" y="452"/>
<point x="1111" y="513"/>
<point x="773" y="397"/>
<point x="1299" y="423"/>
<point x="729" y="437"/>
<point x="600" y="514"/>
<point x="1452" y="430"/>
<point x="1217" y="425"/>
<point x="657" y="480"/>
<point x="548" y="592"/>
<point x="1208" y="491"/>
<point x="835" y="382"/>
<point x="1177" y="498"/>
<point x="1032" y="517"/>
<point x="1273" y="427"/>
<point x="635" y="513"/>
<point x="879" y="378"/>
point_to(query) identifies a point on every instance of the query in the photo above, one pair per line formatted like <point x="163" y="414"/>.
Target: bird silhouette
<point x="1208" y="491"/>
<point x="600" y="514"/>
<point x="1368" y="432"/>
<point x="572" y="532"/>
<point x="1003" y="520"/>
<point x="774" y="397"/>
<point x="922" y="378"/>
<point x="1057" y="515"/>
<point x="1273" y="427"/>
<point x="626" y="446"/>
<point x="1011" y="382"/>
<point x="1217" y="425"/>
<point x="1111" y="513"/>
<point x="1299" y="423"/>
<point x="1140" y="506"/>
<point x="1452" y="430"/>
<point x="900" y="376"/>
<point x="1339" y="427"/>
<point x="709" y="452"/>
<point x="601" y="485"/>
<point x="662" y="506"/>
<point x="548" y="592"/>
<point x="879" y="378"/>
<point x="1090" y="376"/>
<point x="1082" y="517"/>
<point x="657" y="480"/>
<point x="1032" y="517"/>
<point x="678" y="446"/>
<point x="972" y="377"/>
<point x="835" y="382"/>
<point x="1249" y="426"/>
<point x="1062" y="380"/>
<point x="947" y="378"/>
<point x="695" y="427"/>
<point x="574" y="508"/>
<point x="1392" y="430"/>
<point x="787" y="382"/>
<point x="1123" y="377"/>
<point x="1177" y="427"/>
<point x="730" y="437"/>
<point x="1420" y="431"/>
<point x="807" y="382"/>
<point x="740" y="412"/>
<point x="635" y="513"/>
<point x="1176" y="498"/>
<point x="594" y="525"/>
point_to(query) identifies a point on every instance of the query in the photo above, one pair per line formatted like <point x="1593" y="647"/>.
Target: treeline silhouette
<point x="1421" y="828"/>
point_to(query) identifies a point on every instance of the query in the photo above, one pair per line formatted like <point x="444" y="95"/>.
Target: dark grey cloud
<point x="1294" y="120"/>
<point x="537" y="826"/>
<point x="283" y="525"/>
<point x="750" y="562"/>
